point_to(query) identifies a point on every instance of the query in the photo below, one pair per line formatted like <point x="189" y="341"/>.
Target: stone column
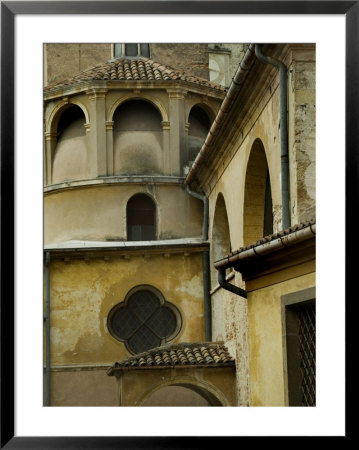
<point x="50" y="146"/>
<point x="97" y="160"/>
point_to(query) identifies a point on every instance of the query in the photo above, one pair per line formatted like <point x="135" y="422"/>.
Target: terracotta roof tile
<point x="274" y="236"/>
<point x="183" y="354"/>
<point x="141" y="69"/>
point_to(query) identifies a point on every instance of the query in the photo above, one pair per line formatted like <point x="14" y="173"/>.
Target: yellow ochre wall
<point x="84" y="292"/>
<point x="266" y="342"/>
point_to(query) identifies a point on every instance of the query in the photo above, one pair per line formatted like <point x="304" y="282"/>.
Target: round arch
<point x="221" y="239"/>
<point x="158" y="105"/>
<point x="207" y="391"/>
<point x="141" y="217"/>
<point x="257" y="204"/>
<point x="57" y="111"/>
<point x="205" y="106"/>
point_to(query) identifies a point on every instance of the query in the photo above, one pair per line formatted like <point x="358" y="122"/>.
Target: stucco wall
<point x="267" y="370"/>
<point x="83" y="387"/>
<point x="99" y="213"/>
<point x="84" y="292"/>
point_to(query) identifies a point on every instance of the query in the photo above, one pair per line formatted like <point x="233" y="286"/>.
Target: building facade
<point x="153" y="177"/>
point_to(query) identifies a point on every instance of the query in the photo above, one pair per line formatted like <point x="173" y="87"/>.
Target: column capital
<point x="178" y="94"/>
<point x="109" y="124"/>
<point x="165" y="125"/>
<point x="50" y="136"/>
<point x="96" y="94"/>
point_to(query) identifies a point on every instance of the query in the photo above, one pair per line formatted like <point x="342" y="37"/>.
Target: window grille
<point x="144" y="321"/>
<point x="300" y="341"/>
<point x="306" y="333"/>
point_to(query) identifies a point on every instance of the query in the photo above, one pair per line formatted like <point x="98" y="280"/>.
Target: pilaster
<point x="109" y="147"/>
<point x="97" y="160"/>
<point x="166" y="129"/>
<point x="177" y="131"/>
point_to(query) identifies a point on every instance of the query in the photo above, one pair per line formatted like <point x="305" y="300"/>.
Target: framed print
<point x="161" y="250"/>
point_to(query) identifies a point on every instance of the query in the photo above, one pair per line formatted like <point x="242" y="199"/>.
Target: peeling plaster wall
<point x="229" y="319"/>
<point x="84" y="292"/>
<point x="302" y="120"/>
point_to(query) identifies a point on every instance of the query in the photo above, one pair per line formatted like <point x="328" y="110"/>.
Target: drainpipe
<point x="228" y="286"/>
<point x="47" y="319"/>
<point x="283" y="132"/>
<point x="205" y="267"/>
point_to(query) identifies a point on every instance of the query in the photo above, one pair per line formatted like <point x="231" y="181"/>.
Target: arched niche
<point x="175" y="396"/>
<point x="184" y="393"/>
<point x="199" y="125"/>
<point x="141" y="218"/>
<point x="258" y="210"/>
<point x="221" y="241"/>
<point x="70" y="153"/>
<point x="137" y="139"/>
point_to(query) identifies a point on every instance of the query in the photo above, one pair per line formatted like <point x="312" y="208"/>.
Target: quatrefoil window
<point x="144" y="320"/>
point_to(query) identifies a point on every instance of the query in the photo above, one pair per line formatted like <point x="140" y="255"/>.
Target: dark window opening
<point x="131" y="49"/>
<point x="145" y="50"/>
<point x="268" y="209"/>
<point x="300" y="332"/>
<point x="118" y="50"/>
<point x="141" y="218"/>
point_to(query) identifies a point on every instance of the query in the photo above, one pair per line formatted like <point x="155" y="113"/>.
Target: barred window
<point x="300" y="336"/>
<point x="144" y="320"/>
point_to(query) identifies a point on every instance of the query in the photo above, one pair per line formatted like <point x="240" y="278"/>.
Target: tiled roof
<point x="272" y="237"/>
<point x="183" y="354"/>
<point x="141" y="69"/>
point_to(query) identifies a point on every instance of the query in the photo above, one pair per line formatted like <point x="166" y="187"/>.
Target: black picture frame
<point x="9" y="9"/>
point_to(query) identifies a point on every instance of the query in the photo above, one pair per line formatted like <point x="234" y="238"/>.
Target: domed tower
<point x="123" y="238"/>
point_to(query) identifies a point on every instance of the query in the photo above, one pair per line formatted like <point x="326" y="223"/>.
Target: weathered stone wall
<point x="192" y="58"/>
<point x="63" y="61"/>
<point x="302" y="119"/>
<point x="224" y="60"/>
